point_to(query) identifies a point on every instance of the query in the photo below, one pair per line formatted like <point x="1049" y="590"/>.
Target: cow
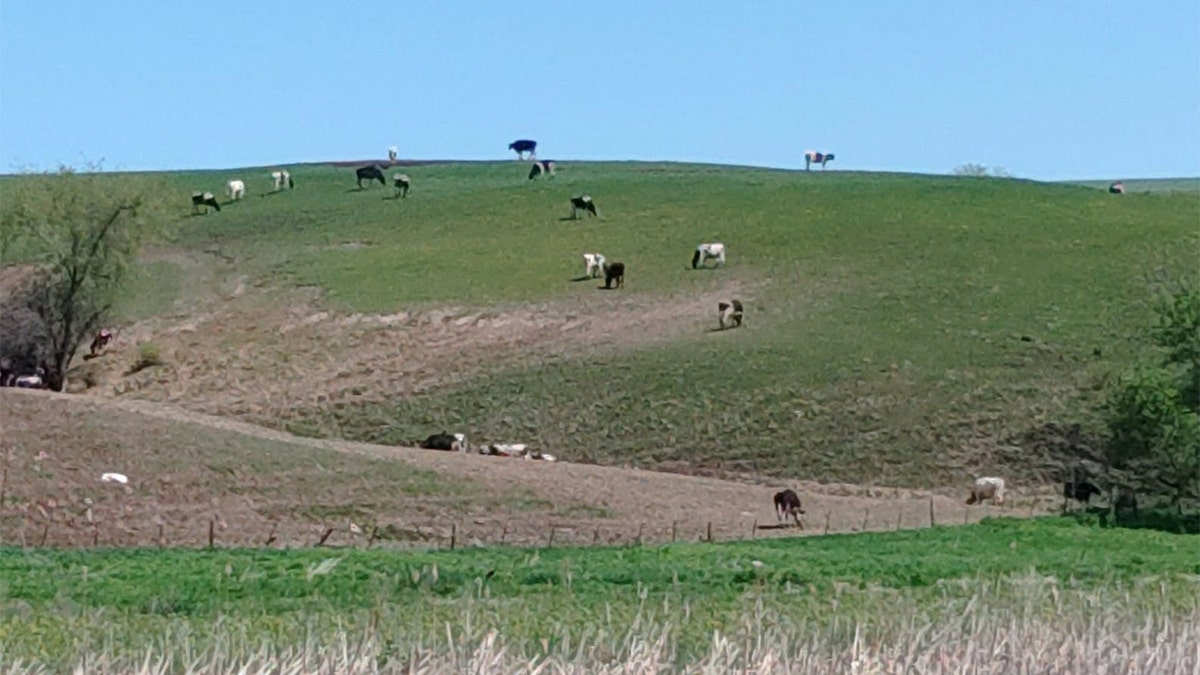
<point x="523" y="146"/>
<point x="593" y="264"/>
<point x="614" y="272"/>
<point x="205" y="199"/>
<point x="100" y="341"/>
<point x="704" y="252"/>
<point x="37" y="380"/>
<point x="444" y="441"/>
<point x="787" y="504"/>
<point x="582" y="203"/>
<point x="393" y="153"/>
<point x="369" y="173"/>
<point x="813" y="157"/>
<point x="236" y="189"/>
<point x="1117" y="188"/>
<point x="281" y="179"/>
<point x="540" y="168"/>
<point x="401" y="182"/>
<point x="990" y="488"/>
<point x="729" y="311"/>
<point x="1080" y="490"/>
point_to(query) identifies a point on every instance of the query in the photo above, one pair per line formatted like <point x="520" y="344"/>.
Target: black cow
<point x="541" y="168"/>
<point x="370" y="173"/>
<point x="205" y="199"/>
<point x="1080" y="490"/>
<point x="583" y="203"/>
<point x="442" y="441"/>
<point x="614" y="272"/>
<point x="787" y="503"/>
<point x="812" y="157"/>
<point x="523" y="146"/>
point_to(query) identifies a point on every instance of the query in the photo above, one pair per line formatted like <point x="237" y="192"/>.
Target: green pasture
<point x="895" y="323"/>
<point x="534" y="593"/>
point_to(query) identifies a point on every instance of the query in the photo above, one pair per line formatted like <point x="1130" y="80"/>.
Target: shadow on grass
<point x="1161" y="519"/>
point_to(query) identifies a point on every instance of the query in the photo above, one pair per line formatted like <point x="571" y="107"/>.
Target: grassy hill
<point x="900" y="329"/>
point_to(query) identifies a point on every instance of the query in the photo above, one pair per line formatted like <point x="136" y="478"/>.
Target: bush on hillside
<point x="1153" y="414"/>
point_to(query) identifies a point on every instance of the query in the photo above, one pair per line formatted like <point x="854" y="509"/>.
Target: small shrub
<point x="148" y="356"/>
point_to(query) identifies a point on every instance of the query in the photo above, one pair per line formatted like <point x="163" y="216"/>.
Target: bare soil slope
<point x="257" y="486"/>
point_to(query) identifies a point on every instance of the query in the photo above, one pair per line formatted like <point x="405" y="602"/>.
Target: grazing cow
<point x="35" y="381"/>
<point x="1117" y="188"/>
<point x="593" y="264"/>
<point x="787" y="504"/>
<point x="401" y="182"/>
<point x="393" y="153"/>
<point x="1081" y="490"/>
<point x="523" y="146"/>
<point x="813" y="157"/>
<point x="540" y="168"/>
<point x="582" y="203"/>
<point x="205" y="199"/>
<point x="987" y="488"/>
<point x="614" y="272"/>
<point x="444" y="441"/>
<point x="369" y="173"/>
<point x="100" y="341"/>
<point x="236" y="189"/>
<point x="715" y="251"/>
<point x="282" y="179"/>
<point x="729" y="311"/>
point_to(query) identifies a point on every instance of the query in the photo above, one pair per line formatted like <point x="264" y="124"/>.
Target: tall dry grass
<point x="1029" y="625"/>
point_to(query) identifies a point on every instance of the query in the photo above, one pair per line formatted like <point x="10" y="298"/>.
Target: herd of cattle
<point x="730" y="314"/>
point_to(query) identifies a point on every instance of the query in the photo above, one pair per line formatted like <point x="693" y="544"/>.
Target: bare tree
<point x="82" y="232"/>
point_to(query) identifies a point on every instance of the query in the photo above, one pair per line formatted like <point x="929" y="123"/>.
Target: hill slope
<point x="905" y="330"/>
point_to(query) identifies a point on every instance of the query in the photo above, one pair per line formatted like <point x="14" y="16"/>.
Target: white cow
<point x="236" y="189"/>
<point x="282" y="179"/>
<point x="393" y="153"/>
<point x="593" y="264"/>
<point x="704" y="252"/>
<point x="989" y="487"/>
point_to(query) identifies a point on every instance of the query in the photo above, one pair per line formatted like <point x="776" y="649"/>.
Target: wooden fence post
<point x="453" y="535"/>
<point x="710" y="531"/>
<point x="827" y="515"/>
<point x="551" y="542"/>
<point x="866" y="518"/>
<point x="754" y="529"/>
<point x="212" y="531"/>
<point x="932" y="520"/>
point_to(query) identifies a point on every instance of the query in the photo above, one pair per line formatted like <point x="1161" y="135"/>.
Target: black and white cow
<point x="523" y="146"/>
<point x="35" y="380"/>
<point x="1117" y="188"/>
<point x="582" y="203"/>
<point x="614" y="272"/>
<point x="813" y="157"/>
<point x="711" y="251"/>
<point x="444" y="441"/>
<point x="205" y="199"/>
<point x="282" y="179"/>
<point x="540" y="168"/>
<point x="729" y="313"/>
<point x="401" y="182"/>
<point x="369" y="173"/>
<point x="787" y="504"/>
<point x="593" y="264"/>
<point x="100" y="341"/>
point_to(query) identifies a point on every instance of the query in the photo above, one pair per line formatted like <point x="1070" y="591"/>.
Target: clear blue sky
<point x="1047" y="89"/>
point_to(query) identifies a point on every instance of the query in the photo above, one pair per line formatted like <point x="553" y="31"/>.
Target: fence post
<point x="212" y="534"/>
<point x="710" y="531"/>
<point x="866" y="518"/>
<point x="827" y="515"/>
<point x="754" y="529"/>
<point x="453" y="535"/>
<point x="674" y="530"/>
<point x="932" y="520"/>
<point x="551" y="542"/>
<point x="504" y="534"/>
<point x="899" y="516"/>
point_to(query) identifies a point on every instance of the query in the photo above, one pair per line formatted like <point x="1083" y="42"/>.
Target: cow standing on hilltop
<point x="523" y="146"/>
<point x="813" y="157"/>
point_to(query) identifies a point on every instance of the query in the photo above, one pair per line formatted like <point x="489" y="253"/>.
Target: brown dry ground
<point x="258" y="486"/>
<point x="193" y="434"/>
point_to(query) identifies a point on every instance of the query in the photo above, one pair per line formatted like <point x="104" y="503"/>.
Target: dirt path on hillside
<point x="623" y="504"/>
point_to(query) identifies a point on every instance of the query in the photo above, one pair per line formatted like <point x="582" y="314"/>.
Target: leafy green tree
<point x="1154" y="411"/>
<point x="82" y="231"/>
